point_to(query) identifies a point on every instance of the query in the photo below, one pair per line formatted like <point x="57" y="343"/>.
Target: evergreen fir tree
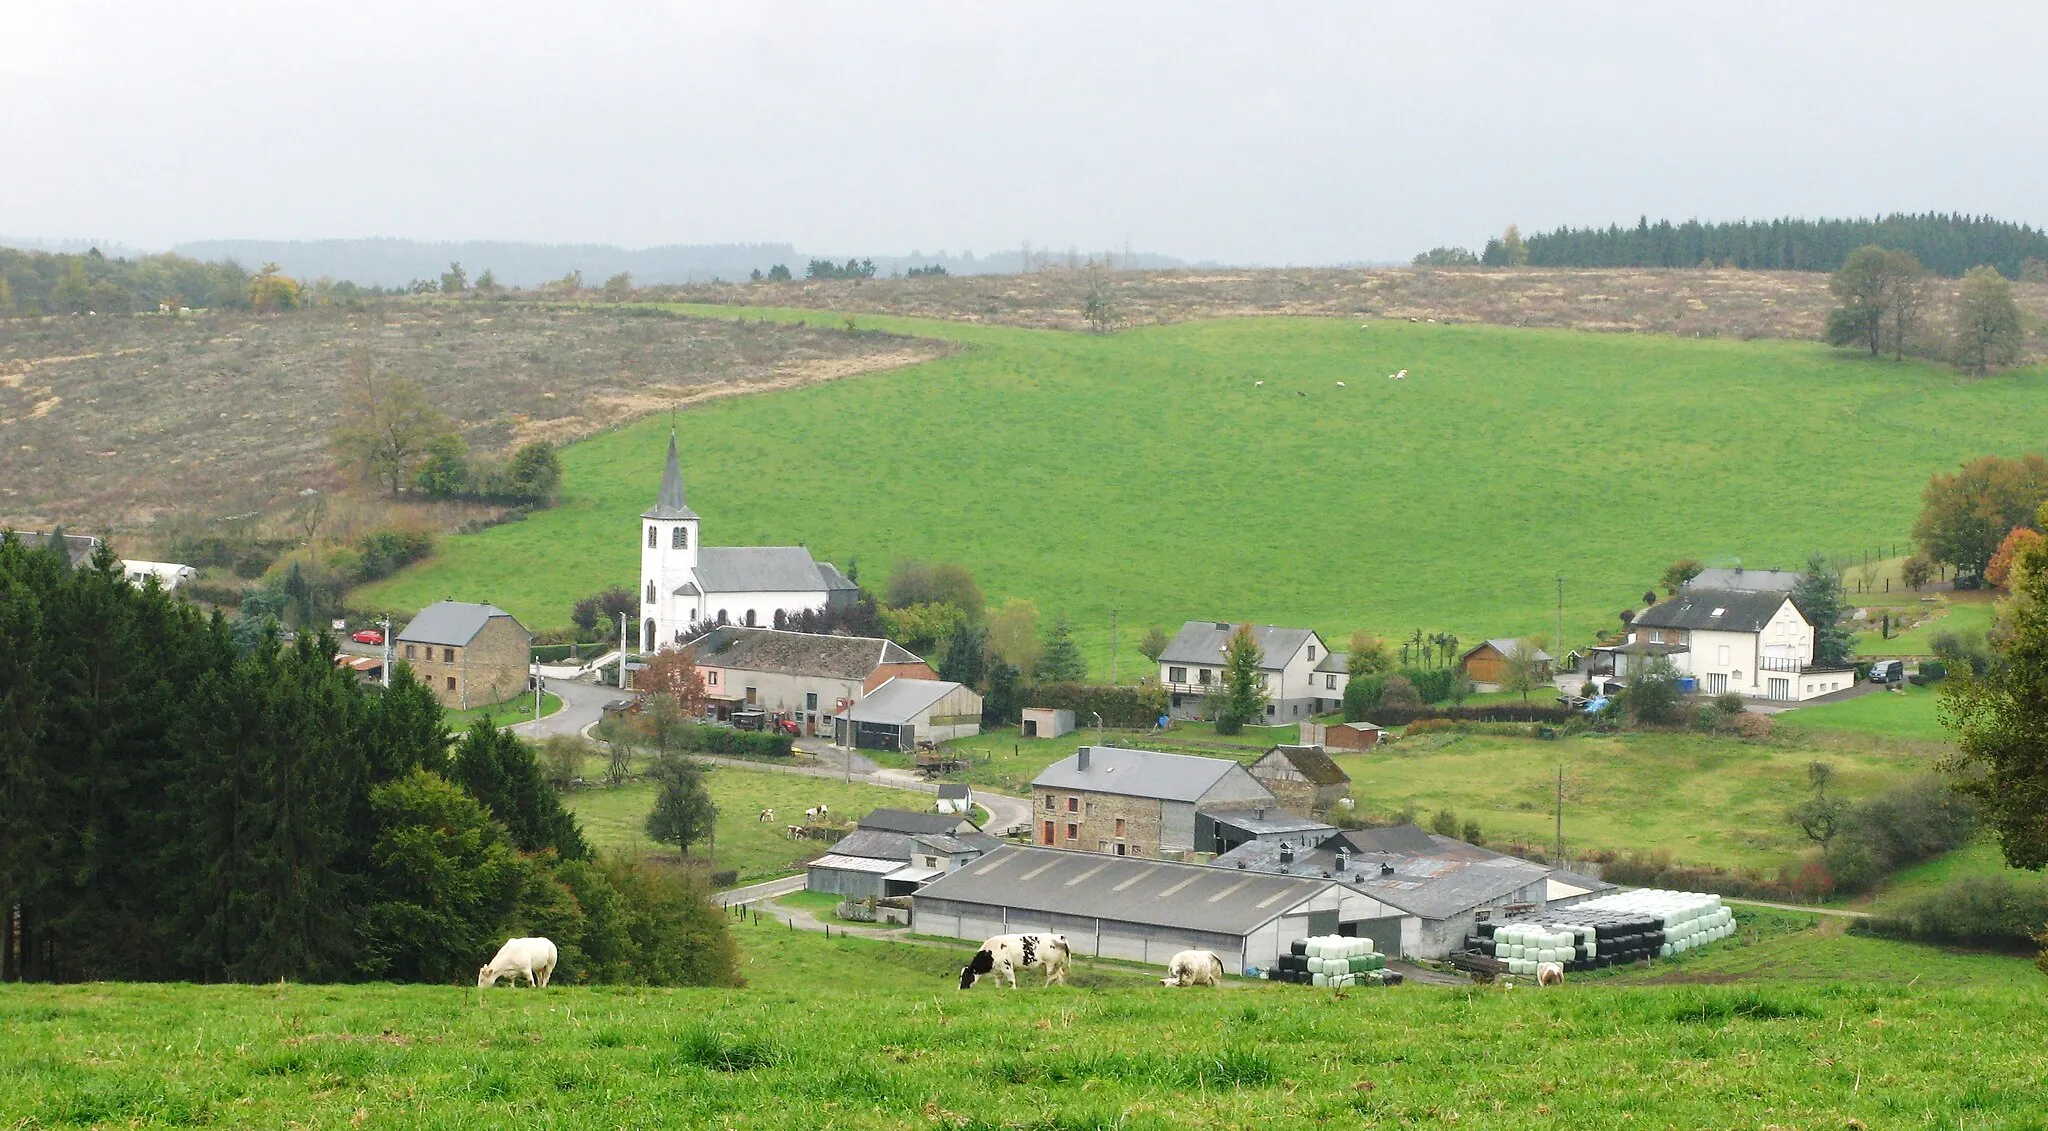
<point x="502" y="772"/>
<point x="1061" y="661"/>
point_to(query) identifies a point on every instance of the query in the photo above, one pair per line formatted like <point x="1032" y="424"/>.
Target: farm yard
<point x="1122" y="455"/>
<point x="1784" y="1025"/>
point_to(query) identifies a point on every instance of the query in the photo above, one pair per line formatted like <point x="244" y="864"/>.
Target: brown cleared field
<point x="109" y="423"/>
<point x="1707" y="303"/>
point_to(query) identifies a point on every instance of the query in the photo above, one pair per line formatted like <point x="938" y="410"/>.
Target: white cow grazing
<point x="816" y="812"/>
<point x="533" y="959"/>
<point x="1004" y="955"/>
<point x="1194" y="968"/>
<point x="1549" y="974"/>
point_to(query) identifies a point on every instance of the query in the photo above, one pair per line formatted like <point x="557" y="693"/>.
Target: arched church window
<point x="651" y="543"/>
<point x="721" y="616"/>
<point x="647" y="636"/>
<point x="650" y="592"/>
<point x="682" y="538"/>
<point x="750" y="618"/>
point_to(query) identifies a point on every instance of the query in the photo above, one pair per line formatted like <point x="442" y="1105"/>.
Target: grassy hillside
<point x="1145" y="472"/>
<point x="857" y="1034"/>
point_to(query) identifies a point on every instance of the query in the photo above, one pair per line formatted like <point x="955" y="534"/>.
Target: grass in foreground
<point x="853" y="1033"/>
<point x="616" y="818"/>
<point x="1145" y="472"/>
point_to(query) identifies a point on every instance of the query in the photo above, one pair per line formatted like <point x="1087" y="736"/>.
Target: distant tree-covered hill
<point x="1947" y="243"/>
<point x="41" y="282"/>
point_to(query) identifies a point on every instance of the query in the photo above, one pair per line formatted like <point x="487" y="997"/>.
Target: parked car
<point x="367" y="636"/>
<point x="1888" y="671"/>
<point x="749" y="720"/>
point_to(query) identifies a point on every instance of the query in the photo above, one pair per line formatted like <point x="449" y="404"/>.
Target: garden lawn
<point x="616" y="818"/>
<point x="860" y="1034"/>
<point x="823" y="906"/>
<point x="1912" y="713"/>
<point x="1969" y="618"/>
<point x="1145" y="472"/>
<point x="1706" y="799"/>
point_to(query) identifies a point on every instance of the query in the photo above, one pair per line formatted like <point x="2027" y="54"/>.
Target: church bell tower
<point x="668" y="554"/>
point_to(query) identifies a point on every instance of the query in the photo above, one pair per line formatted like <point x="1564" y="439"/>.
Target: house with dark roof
<point x="1438" y="886"/>
<point x="892" y="852"/>
<point x="78" y="548"/>
<point x="806" y="675"/>
<point x="1302" y="777"/>
<point x="1141" y="909"/>
<point x="684" y="582"/>
<point x="472" y="655"/>
<point x="956" y="797"/>
<point x="1137" y="802"/>
<point x="1191" y="669"/>
<point x="1749" y="642"/>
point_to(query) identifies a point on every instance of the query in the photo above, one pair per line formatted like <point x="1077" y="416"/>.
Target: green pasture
<point x="1912" y="713"/>
<point x="1968" y="616"/>
<point x="1705" y="799"/>
<point x="616" y="817"/>
<point x="1980" y="859"/>
<point x="823" y="906"/>
<point x="1145" y="472"/>
<point x="860" y="1034"/>
<point x="518" y="709"/>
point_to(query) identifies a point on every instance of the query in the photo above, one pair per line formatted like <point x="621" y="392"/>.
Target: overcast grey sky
<point x="1259" y="132"/>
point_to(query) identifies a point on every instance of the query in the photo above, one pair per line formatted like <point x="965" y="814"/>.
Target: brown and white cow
<point x="1549" y="974"/>
<point x="1004" y="955"/>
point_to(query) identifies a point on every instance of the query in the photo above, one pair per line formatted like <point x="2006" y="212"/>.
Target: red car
<point x="368" y="636"/>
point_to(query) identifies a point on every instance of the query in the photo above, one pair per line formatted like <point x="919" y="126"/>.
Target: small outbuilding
<point x="169" y="575"/>
<point x="1488" y="662"/>
<point x="893" y="851"/>
<point x="1302" y="777"/>
<point x="903" y="712"/>
<point x="956" y="797"/>
<point x="1344" y="736"/>
<point x="1047" y="722"/>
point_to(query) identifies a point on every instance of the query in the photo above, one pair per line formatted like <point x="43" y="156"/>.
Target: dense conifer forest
<point x="1947" y="243"/>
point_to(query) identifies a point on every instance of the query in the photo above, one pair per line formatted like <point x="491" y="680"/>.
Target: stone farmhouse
<point x="1191" y="670"/>
<point x="471" y="655"/>
<point x="806" y="675"/>
<point x="1137" y="802"/>
<point x="684" y="583"/>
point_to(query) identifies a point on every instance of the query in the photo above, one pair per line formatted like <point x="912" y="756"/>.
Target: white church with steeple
<point x="684" y="582"/>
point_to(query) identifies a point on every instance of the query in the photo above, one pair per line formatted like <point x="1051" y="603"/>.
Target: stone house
<point x="1136" y="802"/>
<point x="1303" y="778"/>
<point x="807" y="675"/>
<point x="471" y="655"/>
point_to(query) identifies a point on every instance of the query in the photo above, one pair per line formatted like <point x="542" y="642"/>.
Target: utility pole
<point x="1559" y="859"/>
<point x="1112" y="647"/>
<point x="622" y="653"/>
<point x="386" y="622"/>
<point x="1559" y="642"/>
<point x="536" y="691"/>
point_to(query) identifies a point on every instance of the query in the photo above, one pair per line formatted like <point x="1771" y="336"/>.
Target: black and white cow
<point x="1004" y="955"/>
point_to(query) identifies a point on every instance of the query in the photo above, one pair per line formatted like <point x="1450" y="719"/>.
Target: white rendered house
<point x="685" y="583"/>
<point x="1750" y="642"/>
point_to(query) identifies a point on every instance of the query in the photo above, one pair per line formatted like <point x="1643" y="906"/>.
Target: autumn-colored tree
<point x="387" y="426"/>
<point x="673" y="675"/>
<point x="272" y="289"/>
<point x="1368" y="655"/>
<point x="1965" y="515"/>
<point x="2002" y="562"/>
<point x="1680" y="572"/>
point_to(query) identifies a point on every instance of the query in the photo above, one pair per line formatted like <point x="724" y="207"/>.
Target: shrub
<point x="1751" y="725"/>
<point x="1434" y="685"/>
<point x="385" y="552"/>
<point x="1120" y="706"/>
<point x="1806" y="881"/>
<point x="1389" y="716"/>
<point x="734" y="743"/>
<point x="1978" y="911"/>
<point x="1362" y="695"/>
<point x="1444" y="823"/>
<point x="1914" y="822"/>
<point x="1399" y="694"/>
<point x="1471" y="833"/>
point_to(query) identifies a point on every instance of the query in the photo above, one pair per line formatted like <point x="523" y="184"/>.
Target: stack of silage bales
<point x="1608" y="931"/>
<point x="1332" y="960"/>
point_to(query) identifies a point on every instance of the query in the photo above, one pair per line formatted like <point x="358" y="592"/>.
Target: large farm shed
<point x="901" y="712"/>
<point x="1139" y="909"/>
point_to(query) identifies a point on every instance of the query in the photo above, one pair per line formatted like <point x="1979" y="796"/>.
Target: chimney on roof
<point x="1343" y="859"/>
<point x="1083" y="763"/>
<point x="1286" y="854"/>
<point x="1223" y="625"/>
<point x="1386" y="869"/>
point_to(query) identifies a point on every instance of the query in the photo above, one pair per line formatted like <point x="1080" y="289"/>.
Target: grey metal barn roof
<point x="1745" y="580"/>
<point x="760" y="569"/>
<point x="450" y="623"/>
<point x="872" y="865"/>
<point x="1269" y="822"/>
<point x="900" y="701"/>
<point x="1126" y="889"/>
<point x="1505" y="645"/>
<point x="1137" y="773"/>
<point x="1435" y="877"/>
<point x="1202" y="641"/>
<point x="1725" y="610"/>
<point x="796" y="653"/>
<point x="907" y="821"/>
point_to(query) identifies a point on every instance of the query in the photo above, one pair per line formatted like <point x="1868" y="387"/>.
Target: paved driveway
<point x="582" y="704"/>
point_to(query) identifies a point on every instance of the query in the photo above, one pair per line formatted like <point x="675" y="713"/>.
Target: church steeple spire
<point x="670" y="505"/>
